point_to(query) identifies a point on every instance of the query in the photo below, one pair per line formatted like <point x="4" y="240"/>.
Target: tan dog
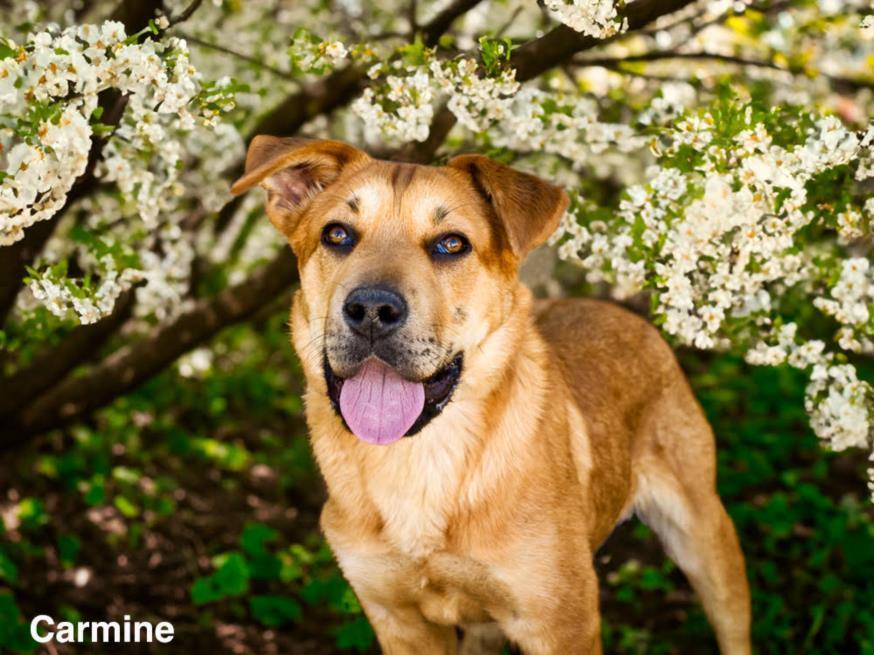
<point x="531" y="431"/>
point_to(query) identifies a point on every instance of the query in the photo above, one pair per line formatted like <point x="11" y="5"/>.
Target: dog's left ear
<point x="293" y="171"/>
<point x="528" y="208"/>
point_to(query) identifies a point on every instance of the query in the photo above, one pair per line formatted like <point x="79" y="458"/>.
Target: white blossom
<point x="597" y="18"/>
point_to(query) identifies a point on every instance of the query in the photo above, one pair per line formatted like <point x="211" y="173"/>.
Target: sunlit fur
<point x="568" y="415"/>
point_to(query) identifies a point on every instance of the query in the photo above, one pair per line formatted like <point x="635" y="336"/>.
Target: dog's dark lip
<point x="438" y="391"/>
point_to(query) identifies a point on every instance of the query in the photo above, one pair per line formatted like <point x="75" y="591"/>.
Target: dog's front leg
<point x="403" y="630"/>
<point x="559" y="616"/>
<point x="386" y="584"/>
<point x="382" y="586"/>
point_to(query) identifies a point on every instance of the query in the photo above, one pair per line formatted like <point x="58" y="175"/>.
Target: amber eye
<point x="450" y="245"/>
<point x="338" y="236"/>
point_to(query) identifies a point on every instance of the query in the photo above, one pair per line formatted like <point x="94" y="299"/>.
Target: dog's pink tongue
<point x="379" y="405"/>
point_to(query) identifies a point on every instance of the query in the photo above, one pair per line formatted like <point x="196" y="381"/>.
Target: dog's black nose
<point x="374" y="312"/>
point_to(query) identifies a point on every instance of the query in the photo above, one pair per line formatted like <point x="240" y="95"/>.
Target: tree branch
<point x="57" y="362"/>
<point x="129" y="366"/>
<point x="840" y="83"/>
<point x="185" y="14"/>
<point x="135" y="16"/>
<point x="539" y="55"/>
<point x="238" y="55"/>
<point x="440" y="24"/>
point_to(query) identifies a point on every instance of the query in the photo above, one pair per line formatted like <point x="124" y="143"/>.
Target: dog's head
<point x="404" y="269"/>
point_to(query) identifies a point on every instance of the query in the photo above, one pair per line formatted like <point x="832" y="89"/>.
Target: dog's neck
<point x="413" y="488"/>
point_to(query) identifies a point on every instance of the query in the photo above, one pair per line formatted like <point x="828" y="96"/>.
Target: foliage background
<point x="180" y="485"/>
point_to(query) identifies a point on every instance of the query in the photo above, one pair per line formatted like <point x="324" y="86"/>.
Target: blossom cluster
<point x="49" y="112"/>
<point x="713" y="238"/>
<point x="838" y="402"/>
<point x="718" y="234"/>
<point x="399" y="105"/>
<point x="310" y="54"/>
<point x="64" y="297"/>
<point x="851" y="303"/>
<point x="478" y="102"/>
<point x="597" y="18"/>
<point x="563" y="126"/>
<point x="401" y="110"/>
<point x="49" y="115"/>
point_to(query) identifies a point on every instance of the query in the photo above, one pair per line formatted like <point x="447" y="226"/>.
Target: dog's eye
<point x="450" y="245"/>
<point x="338" y="236"/>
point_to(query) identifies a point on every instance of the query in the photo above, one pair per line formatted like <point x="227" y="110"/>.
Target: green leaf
<point x="233" y="574"/>
<point x="230" y="579"/>
<point x="413" y="54"/>
<point x="274" y="611"/>
<point x="126" y="507"/>
<point x="331" y="589"/>
<point x="14" y="632"/>
<point x="255" y="536"/>
<point x="8" y="569"/>
<point x="204" y="591"/>
<point x="7" y="50"/>
<point x="356" y="635"/>
<point x="265" y="566"/>
<point x="32" y="513"/>
<point x="96" y="493"/>
<point x="495" y="53"/>
<point x="68" y="548"/>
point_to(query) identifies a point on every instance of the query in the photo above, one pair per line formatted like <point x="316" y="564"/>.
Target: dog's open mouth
<point x="379" y="406"/>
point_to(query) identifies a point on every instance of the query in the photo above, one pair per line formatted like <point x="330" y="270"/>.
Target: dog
<point x="478" y="445"/>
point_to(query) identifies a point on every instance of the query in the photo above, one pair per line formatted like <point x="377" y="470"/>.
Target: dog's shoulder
<point x="592" y="323"/>
<point x="603" y="348"/>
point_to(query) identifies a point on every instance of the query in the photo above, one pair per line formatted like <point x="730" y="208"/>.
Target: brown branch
<point x="258" y="63"/>
<point x="840" y="83"/>
<point x="54" y="364"/>
<point x="136" y="15"/>
<point x="540" y="55"/>
<point x="129" y="366"/>
<point x="412" y="16"/>
<point x="185" y="14"/>
<point x="440" y="24"/>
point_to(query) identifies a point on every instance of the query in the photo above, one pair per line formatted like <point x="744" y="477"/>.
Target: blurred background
<point x="155" y="459"/>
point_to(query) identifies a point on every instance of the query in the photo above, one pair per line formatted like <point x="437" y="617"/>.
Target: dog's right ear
<point x="293" y="171"/>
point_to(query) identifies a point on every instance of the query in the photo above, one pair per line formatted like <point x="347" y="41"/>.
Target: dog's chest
<point x="414" y="511"/>
<point x="415" y="494"/>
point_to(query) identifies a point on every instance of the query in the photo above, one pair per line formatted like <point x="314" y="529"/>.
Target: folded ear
<point x="293" y="170"/>
<point x="528" y="209"/>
